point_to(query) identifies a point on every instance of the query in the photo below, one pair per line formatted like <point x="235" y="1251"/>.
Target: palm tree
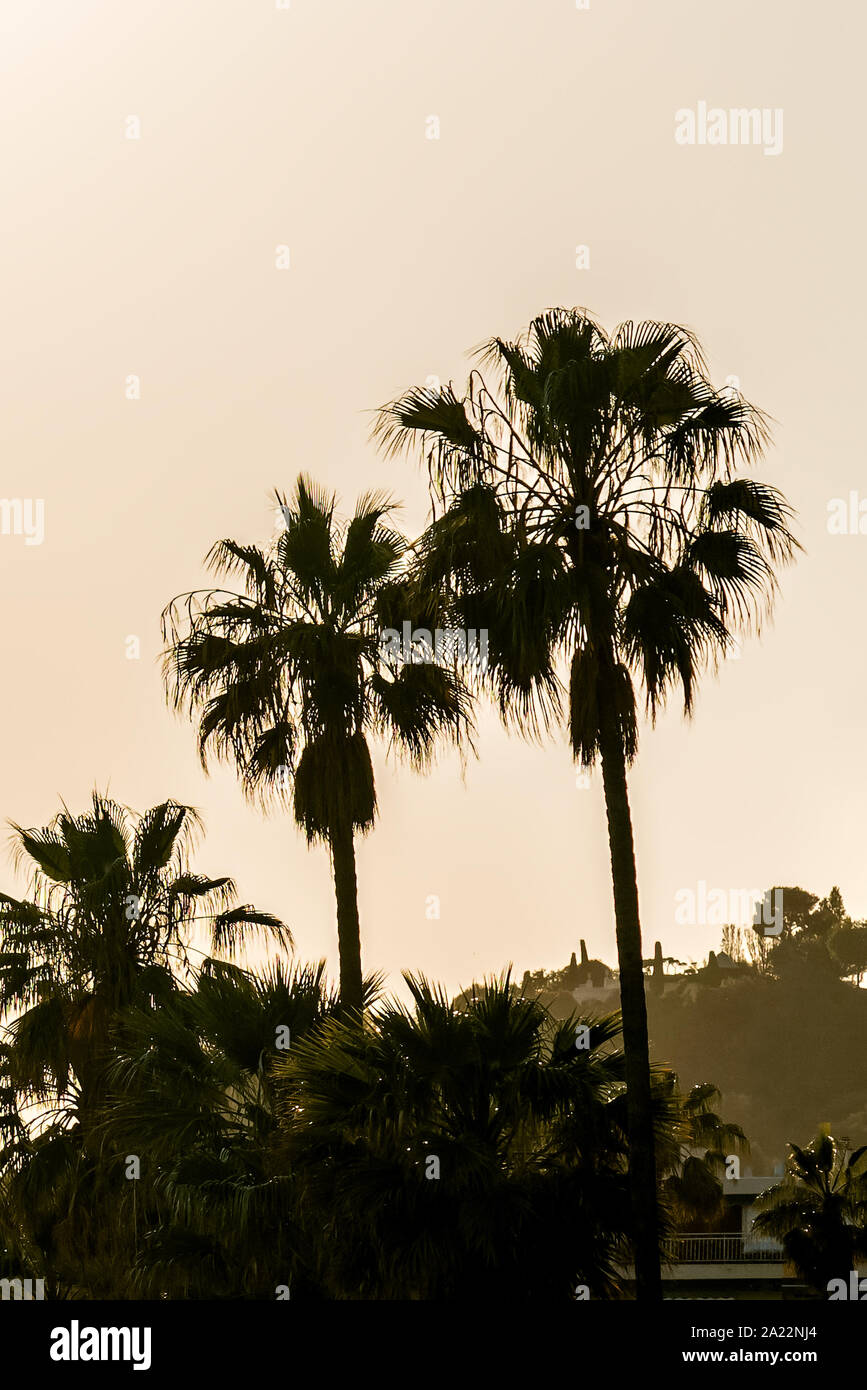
<point x="693" y="1151"/>
<point x="113" y="909"/>
<point x="108" y="926"/>
<point x="290" y="676"/>
<point x="587" y="515"/>
<point x="819" y="1210"/>
<point x="194" y="1075"/>
<point x="459" y="1150"/>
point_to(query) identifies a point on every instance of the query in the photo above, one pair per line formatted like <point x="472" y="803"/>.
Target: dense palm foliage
<point x="475" y="1149"/>
<point x="455" y="1153"/>
<point x="693" y="1152"/>
<point x="194" y="1075"/>
<point x="819" y="1210"/>
<point x="289" y="677"/>
<point x="588" y="515"/>
<point x="251" y="1141"/>
<point x="109" y="927"/>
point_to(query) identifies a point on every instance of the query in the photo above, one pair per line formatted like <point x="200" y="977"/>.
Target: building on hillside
<point x="590" y="977"/>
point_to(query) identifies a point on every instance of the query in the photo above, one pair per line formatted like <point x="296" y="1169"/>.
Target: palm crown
<point x="819" y="1208"/>
<point x="113" y="911"/>
<point x="591" y="513"/>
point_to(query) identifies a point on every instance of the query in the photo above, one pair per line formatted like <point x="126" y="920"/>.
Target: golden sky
<point x="308" y="127"/>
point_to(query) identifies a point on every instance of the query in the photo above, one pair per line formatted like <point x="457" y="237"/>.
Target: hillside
<point x="787" y="1053"/>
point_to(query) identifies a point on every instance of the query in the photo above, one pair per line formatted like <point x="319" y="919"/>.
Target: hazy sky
<point x="307" y="127"/>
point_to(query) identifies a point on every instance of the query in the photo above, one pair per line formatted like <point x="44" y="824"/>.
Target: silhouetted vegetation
<point x="229" y="1134"/>
<point x="175" y="1123"/>
<point x="784" y="1034"/>
<point x="819" y="1210"/>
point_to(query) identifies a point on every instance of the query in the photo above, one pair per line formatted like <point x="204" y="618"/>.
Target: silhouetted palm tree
<point x="193" y="1076"/>
<point x="693" y="1151"/>
<point x="290" y="676"/>
<point x="459" y="1151"/>
<point x="109" y="924"/>
<point x="819" y="1210"/>
<point x="589" y="519"/>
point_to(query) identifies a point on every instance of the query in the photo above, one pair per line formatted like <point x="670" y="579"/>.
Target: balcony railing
<point x="722" y="1249"/>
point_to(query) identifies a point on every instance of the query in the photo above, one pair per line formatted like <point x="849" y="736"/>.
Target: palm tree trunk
<point x="642" y="1159"/>
<point x="348" y="928"/>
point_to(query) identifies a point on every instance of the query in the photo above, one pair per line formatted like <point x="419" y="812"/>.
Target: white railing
<point x="722" y="1249"/>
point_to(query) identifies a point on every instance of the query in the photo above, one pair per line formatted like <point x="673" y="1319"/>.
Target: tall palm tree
<point x="586" y="513"/>
<point x="290" y="676"/>
<point x="819" y="1210"/>
<point x="108" y="926"/>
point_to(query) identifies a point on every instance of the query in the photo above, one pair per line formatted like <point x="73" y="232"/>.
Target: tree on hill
<point x="848" y="946"/>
